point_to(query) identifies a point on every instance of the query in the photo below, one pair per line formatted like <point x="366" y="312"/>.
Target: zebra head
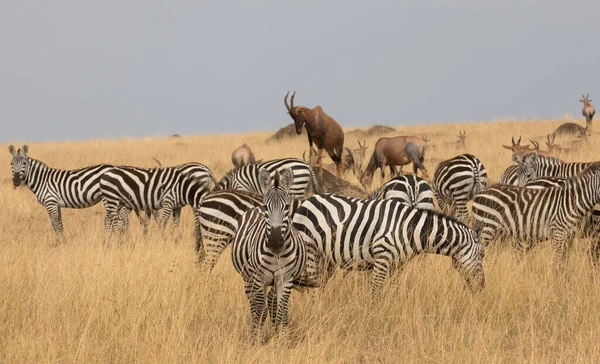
<point x="526" y="171"/>
<point x="468" y="261"/>
<point x="19" y="165"/>
<point x="277" y="204"/>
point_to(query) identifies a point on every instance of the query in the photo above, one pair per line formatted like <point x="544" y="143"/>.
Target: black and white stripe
<point x="268" y="251"/>
<point x="143" y="189"/>
<point x="532" y="215"/>
<point x="374" y="234"/>
<point x="456" y="181"/>
<point x="412" y="190"/>
<point x="533" y="166"/>
<point x="57" y="188"/>
<point x="246" y="178"/>
<point x="217" y="221"/>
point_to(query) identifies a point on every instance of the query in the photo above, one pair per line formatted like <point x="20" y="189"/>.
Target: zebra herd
<point x="284" y="236"/>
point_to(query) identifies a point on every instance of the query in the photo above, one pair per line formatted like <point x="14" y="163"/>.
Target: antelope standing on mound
<point x="242" y="156"/>
<point x="587" y="111"/>
<point x="396" y="151"/>
<point x="323" y="130"/>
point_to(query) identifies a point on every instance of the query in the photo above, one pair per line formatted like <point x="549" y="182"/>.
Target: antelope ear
<point x="11" y="149"/>
<point x="507" y="147"/>
<point x="264" y="178"/>
<point x="286" y="178"/>
<point x="25" y="149"/>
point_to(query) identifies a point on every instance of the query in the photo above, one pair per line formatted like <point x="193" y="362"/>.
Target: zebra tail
<point x="477" y="186"/>
<point x="316" y="184"/>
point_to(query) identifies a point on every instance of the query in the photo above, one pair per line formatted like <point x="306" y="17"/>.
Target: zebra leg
<point x="214" y="249"/>
<point x="123" y="220"/>
<point x="381" y="266"/>
<point x="176" y="220"/>
<point x="56" y="220"/>
<point x="283" y="295"/>
<point x="199" y="240"/>
<point x="256" y="296"/>
<point x="272" y="303"/>
<point x="561" y="247"/>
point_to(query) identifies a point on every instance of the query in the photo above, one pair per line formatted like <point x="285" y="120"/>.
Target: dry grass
<point x="146" y="301"/>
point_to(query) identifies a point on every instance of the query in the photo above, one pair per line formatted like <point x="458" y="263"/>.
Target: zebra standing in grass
<point x="217" y="221"/>
<point x="57" y="188"/>
<point x="246" y="178"/>
<point x="518" y="174"/>
<point x="147" y="189"/>
<point x="412" y="190"/>
<point x="456" y="181"/>
<point x="375" y="234"/>
<point x="268" y="251"/>
<point x="531" y="215"/>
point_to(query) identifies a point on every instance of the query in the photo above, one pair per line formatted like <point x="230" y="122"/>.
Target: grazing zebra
<point x="374" y="234"/>
<point x="247" y="177"/>
<point x="456" y="181"/>
<point x="533" y="166"/>
<point x="138" y="189"/>
<point x="531" y="215"/>
<point x="268" y="251"/>
<point x="57" y="188"/>
<point x="217" y="221"/>
<point x="412" y="190"/>
<point x="517" y="174"/>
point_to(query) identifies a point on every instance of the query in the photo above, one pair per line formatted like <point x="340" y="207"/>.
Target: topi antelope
<point x="587" y="111"/>
<point x="323" y="130"/>
<point x="517" y="148"/>
<point x="242" y="156"/>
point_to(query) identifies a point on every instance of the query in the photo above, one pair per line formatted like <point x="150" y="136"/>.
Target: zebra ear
<point x="11" y="149"/>
<point x="286" y="178"/>
<point x="531" y="157"/>
<point x="264" y="179"/>
<point x="25" y="149"/>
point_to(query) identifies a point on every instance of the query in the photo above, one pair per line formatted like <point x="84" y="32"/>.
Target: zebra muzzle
<point x="275" y="241"/>
<point x="16" y="181"/>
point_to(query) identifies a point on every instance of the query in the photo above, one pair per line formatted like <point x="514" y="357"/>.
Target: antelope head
<point x="298" y="113"/>
<point x="517" y="148"/>
<point x="586" y="100"/>
<point x="462" y="136"/>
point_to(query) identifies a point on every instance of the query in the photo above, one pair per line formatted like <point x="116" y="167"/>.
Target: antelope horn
<point x="292" y="99"/>
<point x="285" y="101"/>
<point x="519" y="141"/>
<point x="513" y="140"/>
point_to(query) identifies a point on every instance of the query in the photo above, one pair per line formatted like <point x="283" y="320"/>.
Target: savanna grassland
<point x="147" y="301"/>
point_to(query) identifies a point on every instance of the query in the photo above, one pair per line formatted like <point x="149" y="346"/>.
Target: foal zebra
<point x="456" y="181"/>
<point x="57" y="188"/>
<point x="412" y="190"/>
<point x="129" y="188"/>
<point x="532" y="215"/>
<point x="246" y="178"/>
<point x="372" y="234"/>
<point x="268" y="251"/>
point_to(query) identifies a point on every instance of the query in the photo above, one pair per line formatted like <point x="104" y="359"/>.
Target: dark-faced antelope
<point x="517" y="148"/>
<point x="242" y="156"/>
<point x="323" y="130"/>
<point x="396" y="151"/>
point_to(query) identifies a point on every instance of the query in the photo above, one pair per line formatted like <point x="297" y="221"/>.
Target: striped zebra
<point x="533" y="166"/>
<point x="246" y="178"/>
<point x="456" y="181"/>
<point x="374" y="234"/>
<point x="517" y="174"/>
<point x="268" y="251"/>
<point x="146" y="189"/>
<point x="532" y="215"/>
<point x="217" y="221"/>
<point x="412" y="190"/>
<point x="57" y="188"/>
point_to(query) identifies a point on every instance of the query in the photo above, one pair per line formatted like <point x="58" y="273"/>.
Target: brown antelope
<point x="555" y="149"/>
<point x="242" y="156"/>
<point x="460" y="143"/>
<point x="323" y="130"/>
<point x="517" y="148"/>
<point x="395" y="151"/>
<point x="347" y="161"/>
<point x="587" y="111"/>
<point x="536" y="148"/>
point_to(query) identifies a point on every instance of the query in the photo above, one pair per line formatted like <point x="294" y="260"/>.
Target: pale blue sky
<point x="90" y="69"/>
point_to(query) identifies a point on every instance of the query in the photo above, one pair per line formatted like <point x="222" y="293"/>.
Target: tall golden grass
<point x="147" y="301"/>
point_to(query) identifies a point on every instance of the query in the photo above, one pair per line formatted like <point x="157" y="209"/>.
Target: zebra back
<point x="412" y="190"/>
<point x="247" y="177"/>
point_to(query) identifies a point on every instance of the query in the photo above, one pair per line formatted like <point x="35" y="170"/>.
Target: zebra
<point x="57" y="188"/>
<point x="456" y="181"/>
<point x="374" y="234"/>
<point x="517" y="174"/>
<point x="412" y="190"/>
<point x="268" y="251"/>
<point x="247" y="177"/>
<point x="533" y="166"/>
<point x="532" y="215"/>
<point x="129" y="188"/>
<point x="217" y="221"/>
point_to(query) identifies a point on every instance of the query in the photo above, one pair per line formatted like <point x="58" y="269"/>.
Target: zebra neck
<point x="37" y="175"/>
<point x="582" y="194"/>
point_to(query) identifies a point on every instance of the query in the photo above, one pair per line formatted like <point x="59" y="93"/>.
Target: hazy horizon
<point x="71" y="70"/>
